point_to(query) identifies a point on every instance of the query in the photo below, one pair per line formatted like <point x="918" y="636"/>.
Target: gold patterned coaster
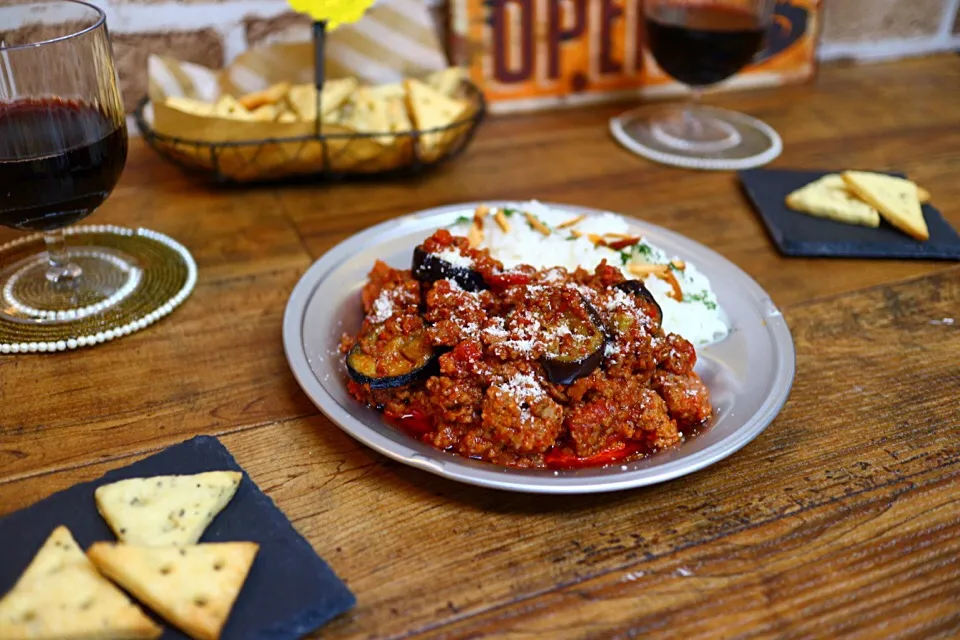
<point x="152" y="274"/>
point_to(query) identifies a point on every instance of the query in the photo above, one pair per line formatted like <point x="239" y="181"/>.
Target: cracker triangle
<point x="303" y="97"/>
<point x="398" y="120"/>
<point x="387" y="91"/>
<point x="61" y="596"/>
<point x="165" y="510"/>
<point x="368" y="113"/>
<point x="59" y="551"/>
<point x="447" y="81"/>
<point x="191" y="587"/>
<point x="190" y="105"/>
<point x="431" y="109"/>
<point x="829" y="198"/>
<point x="895" y="198"/>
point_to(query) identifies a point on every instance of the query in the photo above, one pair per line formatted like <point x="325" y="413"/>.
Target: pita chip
<point x="829" y="198"/>
<point x="303" y="97"/>
<point x="165" y="510"/>
<point x="61" y="596"/>
<point x="192" y="587"/>
<point x="447" y="81"/>
<point x="896" y="199"/>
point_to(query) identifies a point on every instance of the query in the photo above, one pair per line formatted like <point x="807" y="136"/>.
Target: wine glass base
<point x="739" y="142"/>
<point x="715" y="135"/>
<point x="106" y="278"/>
<point x="130" y="278"/>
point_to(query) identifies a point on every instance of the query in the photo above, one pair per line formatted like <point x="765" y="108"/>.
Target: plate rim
<point x="505" y="478"/>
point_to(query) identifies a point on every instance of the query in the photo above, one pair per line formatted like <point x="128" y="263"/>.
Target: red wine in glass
<point x="701" y="45"/>
<point x="61" y="159"/>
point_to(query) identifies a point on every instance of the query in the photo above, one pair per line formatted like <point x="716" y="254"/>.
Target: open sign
<point x="533" y="53"/>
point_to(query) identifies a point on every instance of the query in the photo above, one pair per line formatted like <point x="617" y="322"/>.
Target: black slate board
<point x="799" y="234"/>
<point x="290" y="590"/>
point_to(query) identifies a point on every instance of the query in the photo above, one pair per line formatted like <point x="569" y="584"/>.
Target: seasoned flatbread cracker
<point x="191" y="587"/>
<point x="447" y="81"/>
<point x="264" y="113"/>
<point x="165" y="510"/>
<point x="369" y="113"/>
<point x="59" y="551"/>
<point x="386" y="91"/>
<point x="227" y="106"/>
<point x="430" y="110"/>
<point x="895" y="198"/>
<point x="303" y="97"/>
<point x="61" y="596"/>
<point x="270" y="95"/>
<point x="829" y="198"/>
<point x="190" y="105"/>
<point x="397" y="117"/>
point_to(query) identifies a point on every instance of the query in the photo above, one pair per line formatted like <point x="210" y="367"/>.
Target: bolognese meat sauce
<point x="522" y="367"/>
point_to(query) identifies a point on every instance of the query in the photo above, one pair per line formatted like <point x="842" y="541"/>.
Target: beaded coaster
<point x="755" y="143"/>
<point x="151" y="275"/>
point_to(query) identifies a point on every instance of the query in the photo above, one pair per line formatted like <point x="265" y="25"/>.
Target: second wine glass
<point x="701" y="43"/>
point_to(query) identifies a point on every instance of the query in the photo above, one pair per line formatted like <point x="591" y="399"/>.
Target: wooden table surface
<point x="841" y="519"/>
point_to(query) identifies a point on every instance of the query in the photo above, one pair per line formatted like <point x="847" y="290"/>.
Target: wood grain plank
<point x="214" y="364"/>
<point x="401" y="537"/>
<point x="888" y="558"/>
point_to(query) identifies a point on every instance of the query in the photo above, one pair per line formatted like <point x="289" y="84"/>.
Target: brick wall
<point x="880" y="29"/>
<point x="212" y="32"/>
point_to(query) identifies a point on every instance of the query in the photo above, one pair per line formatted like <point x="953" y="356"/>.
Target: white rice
<point x="698" y="318"/>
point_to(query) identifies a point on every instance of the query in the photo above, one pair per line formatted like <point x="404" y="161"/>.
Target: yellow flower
<point x="335" y="12"/>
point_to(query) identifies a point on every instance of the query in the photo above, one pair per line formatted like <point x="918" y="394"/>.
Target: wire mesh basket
<point x="329" y="153"/>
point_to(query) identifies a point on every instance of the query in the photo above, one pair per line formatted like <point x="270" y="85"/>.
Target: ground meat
<point x="487" y="395"/>
<point x="404" y="290"/>
<point x="455" y="314"/>
<point x="616" y="410"/>
<point x="687" y="398"/>
<point x="457" y="403"/>
<point x="524" y="421"/>
<point x="676" y="355"/>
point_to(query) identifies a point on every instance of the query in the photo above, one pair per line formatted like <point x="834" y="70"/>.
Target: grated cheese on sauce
<point x="523" y="386"/>
<point x="455" y="258"/>
<point x="382" y="307"/>
<point x="524" y="390"/>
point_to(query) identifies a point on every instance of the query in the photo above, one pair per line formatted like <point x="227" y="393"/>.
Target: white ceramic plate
<point x="749" y="373"/>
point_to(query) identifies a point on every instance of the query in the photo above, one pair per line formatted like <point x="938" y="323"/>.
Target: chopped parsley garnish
<point x="701" y="297"/>
<point x="463" y="220"/>
<point x="507" y="211"/>
<point x="643" y="249"/>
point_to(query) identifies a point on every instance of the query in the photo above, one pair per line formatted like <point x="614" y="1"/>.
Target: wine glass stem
<point x="60" y="269"/>
<point x="692" y="126"/>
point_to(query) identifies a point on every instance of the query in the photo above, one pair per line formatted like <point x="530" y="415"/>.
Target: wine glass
<point x="701" y="43"/>
<point x="63" y="145"/>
